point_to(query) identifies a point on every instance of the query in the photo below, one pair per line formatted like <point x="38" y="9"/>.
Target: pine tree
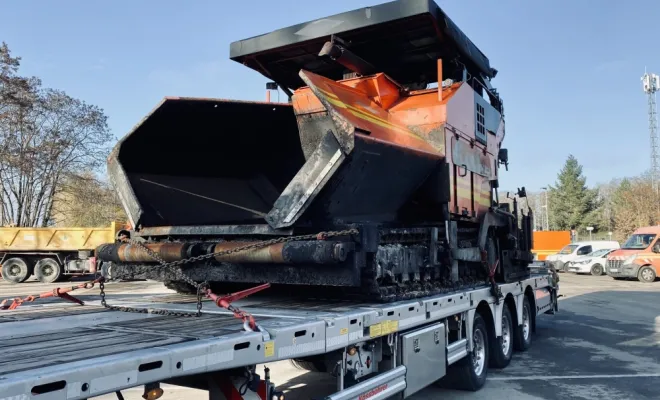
<point x="572" y="204"/>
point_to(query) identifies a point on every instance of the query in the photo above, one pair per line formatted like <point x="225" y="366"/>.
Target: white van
<point x="574" y="250"/>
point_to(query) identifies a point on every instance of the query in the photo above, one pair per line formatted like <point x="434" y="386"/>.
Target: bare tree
<point x="634" y="205"/>
<point x="536" y="202"/>
<point x="606" y="192"/>
<point x="84" y="200"/>
<point x="15" y="91"/>
<point x="45" y="136"/>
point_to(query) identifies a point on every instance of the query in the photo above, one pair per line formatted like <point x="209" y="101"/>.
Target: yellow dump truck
<point x="51" y="254"/>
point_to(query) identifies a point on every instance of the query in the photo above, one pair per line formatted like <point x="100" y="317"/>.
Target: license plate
<point x="614" y="270"/>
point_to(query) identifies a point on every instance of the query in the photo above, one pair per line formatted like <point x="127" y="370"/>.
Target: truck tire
<point x="597" y="270"/>
<point x="522" y="338"/>
<point x="469" y="373"/>
<point x="501" y="349"/>
<point x="15" y="270"/>
<point x="47" y="270"/>
<point x="646" y="275"/>
<point x="106" y="270"/>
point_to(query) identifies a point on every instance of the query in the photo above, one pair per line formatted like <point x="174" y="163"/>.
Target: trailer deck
<point x="42" y="355"/>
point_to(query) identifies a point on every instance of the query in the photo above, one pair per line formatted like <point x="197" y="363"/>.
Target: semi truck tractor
<point x="379" y="176"/>
<point x="51" y="254"/>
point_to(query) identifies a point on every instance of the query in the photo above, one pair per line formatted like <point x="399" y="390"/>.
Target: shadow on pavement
<point x="601" y="345"/>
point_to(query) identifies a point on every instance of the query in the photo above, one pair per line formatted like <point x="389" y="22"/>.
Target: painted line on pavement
<point x="559" y="377"/>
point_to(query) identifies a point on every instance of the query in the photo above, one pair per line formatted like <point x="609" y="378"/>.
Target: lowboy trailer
<point x="375" y="350"/>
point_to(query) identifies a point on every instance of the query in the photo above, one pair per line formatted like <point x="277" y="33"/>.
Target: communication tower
<point x="651" y="84"/>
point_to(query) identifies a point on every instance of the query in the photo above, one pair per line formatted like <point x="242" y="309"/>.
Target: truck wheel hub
<point x="525" y="323"/>
<point x="506" y="335"/>
<point x="479" y="352"/>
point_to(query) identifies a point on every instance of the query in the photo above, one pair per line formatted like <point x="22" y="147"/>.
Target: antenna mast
<point x="651" y="84"/>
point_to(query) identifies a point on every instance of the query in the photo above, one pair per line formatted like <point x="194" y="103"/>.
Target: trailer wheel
<point x="522" y="338"/>
<point x="501" y="349"/>
<point x="15" y="270"/>
<point x="47" y="270"/>
<point x="469" y="373"/>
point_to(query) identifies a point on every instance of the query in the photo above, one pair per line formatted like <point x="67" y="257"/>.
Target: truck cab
<point x="639" y="257"/>
<point x="572" y="251"/>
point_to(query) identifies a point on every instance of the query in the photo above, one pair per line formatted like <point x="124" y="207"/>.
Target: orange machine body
<point x="441" y="122"/>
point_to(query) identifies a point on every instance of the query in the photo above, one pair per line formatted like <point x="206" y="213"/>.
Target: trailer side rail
<point x="131" y="349"/>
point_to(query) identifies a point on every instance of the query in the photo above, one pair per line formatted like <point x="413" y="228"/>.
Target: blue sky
<point x="569" y="70"/>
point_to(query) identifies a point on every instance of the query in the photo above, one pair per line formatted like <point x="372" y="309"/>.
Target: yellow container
<point x="56" y="239"/>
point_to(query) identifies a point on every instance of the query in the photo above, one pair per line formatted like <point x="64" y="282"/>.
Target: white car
<point x="575" y="250"/>
<point x="593" y="263"/>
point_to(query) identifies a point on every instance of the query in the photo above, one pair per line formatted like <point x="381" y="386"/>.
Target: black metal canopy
<point x="403" y="38"/>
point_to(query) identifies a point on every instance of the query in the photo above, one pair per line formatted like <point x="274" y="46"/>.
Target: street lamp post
<point x="547" y="219"/>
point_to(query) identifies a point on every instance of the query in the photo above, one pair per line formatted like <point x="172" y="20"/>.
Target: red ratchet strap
<point x="225" y="302"/>
<point x="57" y="292"/>
<point x="491" y="273"/>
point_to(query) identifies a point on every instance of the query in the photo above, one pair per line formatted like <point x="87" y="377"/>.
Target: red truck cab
<point x="638" y="257"/>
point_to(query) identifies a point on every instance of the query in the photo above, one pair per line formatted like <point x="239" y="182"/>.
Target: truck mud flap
<point x="544" y="299"/>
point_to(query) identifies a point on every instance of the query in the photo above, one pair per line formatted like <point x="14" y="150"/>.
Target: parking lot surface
<point x="603" y="344"/>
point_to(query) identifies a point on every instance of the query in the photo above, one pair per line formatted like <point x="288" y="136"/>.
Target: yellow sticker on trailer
<point x="393" y="326"/>
<point x="375" y="330"/>
<point x="269" y="349"/>
<point x="383" y="328"/>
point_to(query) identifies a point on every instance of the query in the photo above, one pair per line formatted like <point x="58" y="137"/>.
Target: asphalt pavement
<point x="603" y="344"/>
